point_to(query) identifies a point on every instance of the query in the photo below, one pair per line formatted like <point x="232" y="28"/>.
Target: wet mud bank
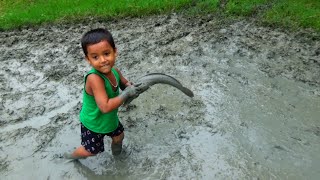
<point x="255" y="114"/>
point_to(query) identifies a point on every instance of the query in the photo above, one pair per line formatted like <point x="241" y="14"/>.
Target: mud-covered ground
<point x="255" y="114"/>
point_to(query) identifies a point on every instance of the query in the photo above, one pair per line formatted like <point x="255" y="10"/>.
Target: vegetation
<point x="285" y="13"/>
<point x="25" y="12"/>
<point x="295" y="13"/>
<point x="244" y="7"/>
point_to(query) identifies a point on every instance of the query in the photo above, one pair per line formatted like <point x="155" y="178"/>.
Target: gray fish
<point x="145" y="82"/>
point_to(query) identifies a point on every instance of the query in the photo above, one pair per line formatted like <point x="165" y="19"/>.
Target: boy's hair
<point x="95" y="36"/>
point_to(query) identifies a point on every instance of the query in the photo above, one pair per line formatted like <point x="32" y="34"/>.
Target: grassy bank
<point x="287" y="13"/>
<point x="25" y="12"/>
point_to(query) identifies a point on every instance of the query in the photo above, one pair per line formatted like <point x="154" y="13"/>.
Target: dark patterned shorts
<point x="93" y="142"/>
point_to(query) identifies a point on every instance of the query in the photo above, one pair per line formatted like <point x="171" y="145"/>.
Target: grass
<point x="202" y="7"/>
<point x="295" y="14"/>
<point x="283" y="13"/>
<point x="244" y="7"/>
<point x="28" y="12"/>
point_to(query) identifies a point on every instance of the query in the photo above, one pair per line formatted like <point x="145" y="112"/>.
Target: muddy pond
<point x="255" y="113"/>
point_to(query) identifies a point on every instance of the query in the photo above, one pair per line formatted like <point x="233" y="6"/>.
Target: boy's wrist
<point x="128" y="92"/>
<point x="123" y="97"/>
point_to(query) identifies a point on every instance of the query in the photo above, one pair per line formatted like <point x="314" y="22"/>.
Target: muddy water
<point x="255" y="114"/>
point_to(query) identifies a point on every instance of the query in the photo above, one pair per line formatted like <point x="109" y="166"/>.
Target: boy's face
<point x="101" y="56"/>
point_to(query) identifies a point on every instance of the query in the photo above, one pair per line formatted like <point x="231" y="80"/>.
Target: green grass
<point x="29" y="12"/>
<point x="295" y="14"/>
<point x="282" y="13"/>
<point x="244" y="7"/>
<point x="202" y="7"/>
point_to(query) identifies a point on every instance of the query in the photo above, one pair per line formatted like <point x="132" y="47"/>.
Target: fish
<point x="146" y="81"/>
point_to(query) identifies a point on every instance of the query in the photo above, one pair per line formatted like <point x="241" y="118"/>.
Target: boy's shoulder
<point x="117" y="70"/>
<point x="93" y="74"/>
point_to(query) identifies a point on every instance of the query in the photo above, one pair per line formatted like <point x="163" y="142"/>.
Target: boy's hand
<point x="130" y="91"/>
<point x="141" y="87"/>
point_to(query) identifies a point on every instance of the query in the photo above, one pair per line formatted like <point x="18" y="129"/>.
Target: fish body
<point x="145" y="82"/>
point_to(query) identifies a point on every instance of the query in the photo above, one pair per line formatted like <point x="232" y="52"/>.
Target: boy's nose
<point x="103" y="59"/>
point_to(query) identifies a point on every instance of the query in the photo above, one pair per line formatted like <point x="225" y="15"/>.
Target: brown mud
<point x="255" y="114"/>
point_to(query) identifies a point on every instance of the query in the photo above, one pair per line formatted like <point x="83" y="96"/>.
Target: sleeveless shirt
<point x="91" y="116"/>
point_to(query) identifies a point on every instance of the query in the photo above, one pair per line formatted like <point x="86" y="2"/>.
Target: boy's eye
<point x="95" y="57"/>
<point x="107" y="53"/>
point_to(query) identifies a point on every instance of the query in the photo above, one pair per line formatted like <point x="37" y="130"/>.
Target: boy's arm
<point x="123" y="81"/>
<point x="95" y="86"/>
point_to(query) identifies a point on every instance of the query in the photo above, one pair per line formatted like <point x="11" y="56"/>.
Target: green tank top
<point x="91" y="116"/>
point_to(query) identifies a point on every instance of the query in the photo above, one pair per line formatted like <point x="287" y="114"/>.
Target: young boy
<point x="101" y="97"/>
